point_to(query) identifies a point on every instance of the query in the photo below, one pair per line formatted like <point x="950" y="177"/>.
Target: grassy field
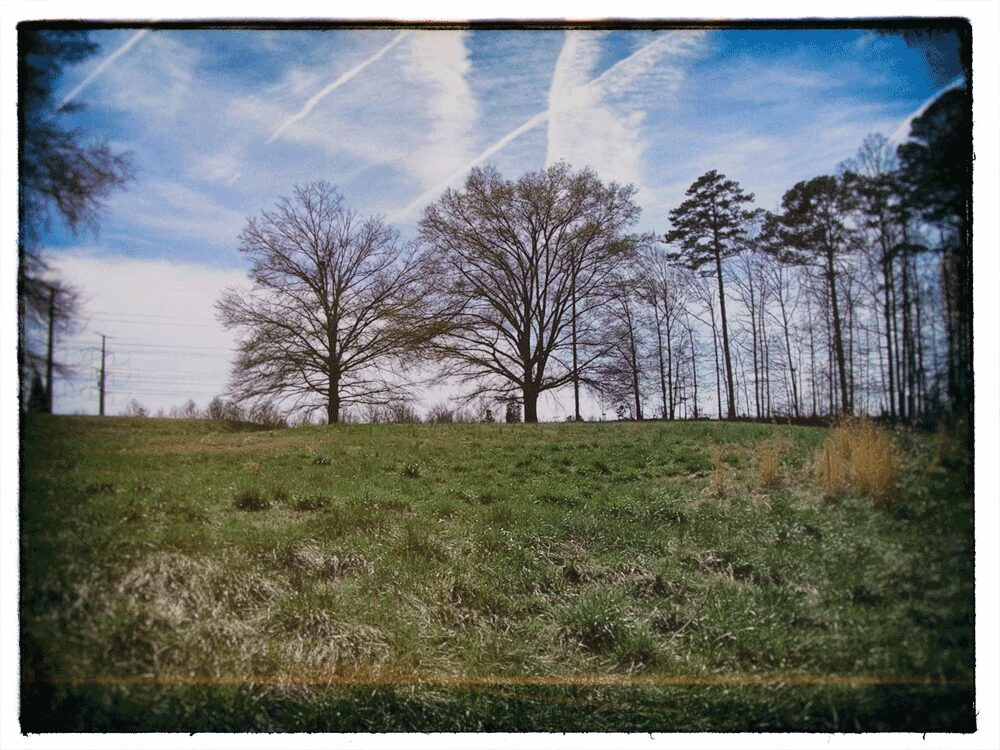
<point x="189" y="576"/>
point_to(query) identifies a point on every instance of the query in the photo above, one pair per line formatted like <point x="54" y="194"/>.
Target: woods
<point x="853" y="298"/>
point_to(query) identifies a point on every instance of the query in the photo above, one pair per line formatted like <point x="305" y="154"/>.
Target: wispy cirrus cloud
<point x="599" y="122"/>
<point x="102" y="66"/>
<point x="576" y="93"/>
<point x="320" y="95"/>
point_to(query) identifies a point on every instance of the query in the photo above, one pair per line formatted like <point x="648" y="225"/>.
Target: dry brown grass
<point x="857" y="455"/>
<point x="770" y="465"/>
<point x="308" y="557"/>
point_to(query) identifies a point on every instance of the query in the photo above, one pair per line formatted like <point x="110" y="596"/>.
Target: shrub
<point x="440" y="413"/>
<point x="857" y="455"/>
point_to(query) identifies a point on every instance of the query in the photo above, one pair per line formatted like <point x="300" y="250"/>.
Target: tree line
<point x="853" y="297"/>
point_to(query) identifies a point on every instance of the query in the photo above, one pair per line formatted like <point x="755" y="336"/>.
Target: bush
<point x="441" y="413"/>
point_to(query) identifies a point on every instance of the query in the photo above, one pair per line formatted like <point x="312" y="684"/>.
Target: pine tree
<point x="709" y="227"/>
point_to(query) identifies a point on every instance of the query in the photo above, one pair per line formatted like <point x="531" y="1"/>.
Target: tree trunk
<point x="788" y="349"/>
<point x="530" y="397"/>
<point x="671" y="385"/>
<point x="659" y="352"/>
<point x="333" y="403"/>
<point x="576" y="372"/>
<point x="730" y="392"/>
<point x="889" y="283"/>
<point x="49" y="390"/>
<point x="694" y="372"/>
<point x="838" y="338"/>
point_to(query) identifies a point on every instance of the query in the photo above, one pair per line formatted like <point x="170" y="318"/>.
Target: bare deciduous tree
<point x="328" y="321"/>
<point x="512" y="262"/>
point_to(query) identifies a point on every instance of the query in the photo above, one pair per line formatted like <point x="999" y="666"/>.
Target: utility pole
<point x="102" y="381"/>
<point x="48" y="353"/>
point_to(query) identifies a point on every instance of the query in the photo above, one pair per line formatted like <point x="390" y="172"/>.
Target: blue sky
<point x="221" y="123"/>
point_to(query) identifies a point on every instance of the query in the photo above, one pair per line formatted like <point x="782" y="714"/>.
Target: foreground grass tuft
<point x="858" y="455"/>
<point x="251" y="500"/>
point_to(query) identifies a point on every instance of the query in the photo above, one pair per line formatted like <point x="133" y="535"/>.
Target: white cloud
<point x="164" y="344"/>
<point x="316" y="98"/>
<point x="598" y="122"/>
<point x="178" y="210"/>
<point x="102" y="66"/>
<point x="162" y="58"/>
<point x="438" y="64"/>
<point x="620" y="76"/>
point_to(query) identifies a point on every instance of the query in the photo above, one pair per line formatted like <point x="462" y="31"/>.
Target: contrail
<point x="903" y="131"/>
<point x="641" y="56"/>
<point x="104" y="65"/>
<point x="322" y="93"/>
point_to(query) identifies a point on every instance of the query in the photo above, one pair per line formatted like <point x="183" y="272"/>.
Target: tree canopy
<point x="332" y="310"/>
<point x="511" y="261"/>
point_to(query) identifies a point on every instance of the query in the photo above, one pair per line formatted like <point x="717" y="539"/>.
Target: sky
<point x="222" y="123"/>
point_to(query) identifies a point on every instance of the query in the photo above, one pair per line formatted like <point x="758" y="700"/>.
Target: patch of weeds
<point x="321" y="461"/>
<point x="251" y="467"/>
<point x="418" y="544"/>
<point x="858" y="455"/>
<point x="575" y="573"/>
<point x="445" y="509"/>
<point x="637" y="649"/>
<point x="280" y="495"/>
<point x="770" y="465"/>
<point x="561" y="501"/>
<point x="718" y="472"/>
<point x="251" y="500"/>
<point x="600" y="468"/>
<point x="312" y="502"/>
<point x="308" y="557"/>
<point x="411" y="470"/>
<point x="501" y="515"/>
<point x="596" y="622"/>
<point x="666" y="510"/>
<point x="190" y="513"/>
<point x="394" y="505"/>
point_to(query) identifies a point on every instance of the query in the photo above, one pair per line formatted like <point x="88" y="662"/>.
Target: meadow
<point x="697" y="576"/>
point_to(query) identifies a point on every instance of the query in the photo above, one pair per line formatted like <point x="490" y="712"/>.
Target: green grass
<point x="180" y="576"/>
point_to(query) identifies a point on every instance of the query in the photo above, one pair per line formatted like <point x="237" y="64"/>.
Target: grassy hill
<point x="187" y="576"/>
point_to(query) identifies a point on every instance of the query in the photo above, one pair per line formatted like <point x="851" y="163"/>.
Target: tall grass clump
<point x="857" y="455"/>
<point x="770" y="465"/>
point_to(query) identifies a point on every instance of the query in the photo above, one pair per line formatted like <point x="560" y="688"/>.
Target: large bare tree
<point x="519" y="267"/>
<point x="329" y="319"/>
